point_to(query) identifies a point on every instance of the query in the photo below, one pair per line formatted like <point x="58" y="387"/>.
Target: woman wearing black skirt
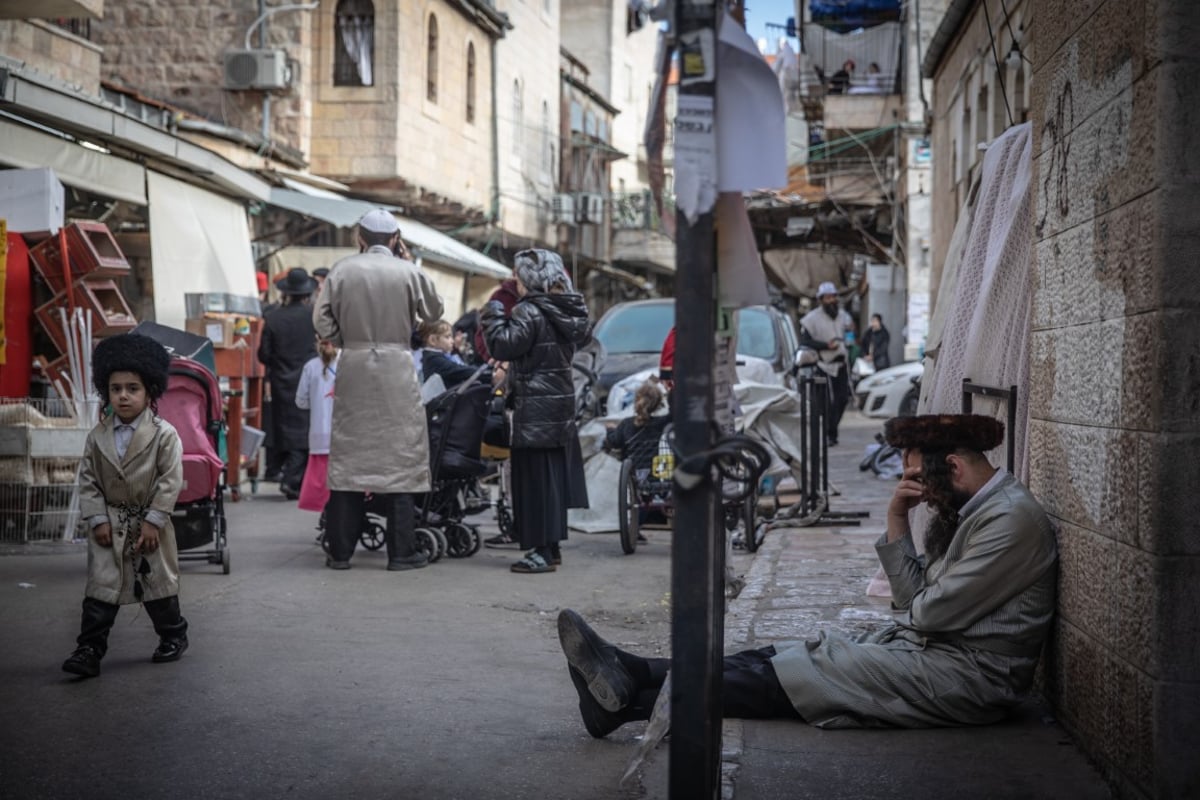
<point x="539" y="339"/>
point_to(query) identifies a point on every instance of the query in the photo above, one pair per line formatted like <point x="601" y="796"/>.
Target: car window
<point x="637" y="329"/>
<point x="756" y="334"/>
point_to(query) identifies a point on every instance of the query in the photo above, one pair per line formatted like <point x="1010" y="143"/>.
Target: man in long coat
<point x="288" y="344"/>
<point x="379" y="442"/>
<point x="971" y="615"/>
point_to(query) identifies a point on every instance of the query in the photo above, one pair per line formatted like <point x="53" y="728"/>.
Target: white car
<point x="890" y="392"/>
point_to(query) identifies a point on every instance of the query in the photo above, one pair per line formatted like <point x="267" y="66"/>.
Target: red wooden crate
<point x="47" y="317"/>
<point x="110" y="313"/>
<point x="93" y="252"/>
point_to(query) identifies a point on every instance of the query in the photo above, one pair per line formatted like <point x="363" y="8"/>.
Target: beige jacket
<point x="150" y="477"/>
<point x="369" y="305"/>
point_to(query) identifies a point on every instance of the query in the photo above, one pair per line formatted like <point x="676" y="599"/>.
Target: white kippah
<point x="379" y="221"/>
<point x="822" y="290"/>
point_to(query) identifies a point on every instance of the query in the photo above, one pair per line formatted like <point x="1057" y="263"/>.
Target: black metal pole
<point x="697" y="609"/>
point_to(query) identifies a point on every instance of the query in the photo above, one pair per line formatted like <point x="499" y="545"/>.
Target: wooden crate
<point x="110" y="313"/>
<point x="92" y="250"/>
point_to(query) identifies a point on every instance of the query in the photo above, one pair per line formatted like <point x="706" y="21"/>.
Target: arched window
<point x="431" y="61"/>
<point x="470" y="83"/>
<point x="354" y="50"/>
<point x="547" y="142"/>
<point x="518" y="113"/>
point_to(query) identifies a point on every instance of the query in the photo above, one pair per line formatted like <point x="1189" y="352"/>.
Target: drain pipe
<point x="494" y="216"/>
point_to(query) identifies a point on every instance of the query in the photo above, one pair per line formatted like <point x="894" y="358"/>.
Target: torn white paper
<point x="695" y="156"/>
<point x="741" y="281"/>
<point x="751" y="122"/>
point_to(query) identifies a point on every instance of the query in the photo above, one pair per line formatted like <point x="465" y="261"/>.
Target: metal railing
<point x="81" y="27"/>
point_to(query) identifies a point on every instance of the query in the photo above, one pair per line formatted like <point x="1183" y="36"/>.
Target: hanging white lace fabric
<point x="980" y="327"/>
<point x="358" y="37"/>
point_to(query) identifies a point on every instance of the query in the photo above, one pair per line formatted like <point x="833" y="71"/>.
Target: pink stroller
<point x="192" y="403"/>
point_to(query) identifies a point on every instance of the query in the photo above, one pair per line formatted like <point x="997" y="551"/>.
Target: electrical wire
<point x="996" y="58"/>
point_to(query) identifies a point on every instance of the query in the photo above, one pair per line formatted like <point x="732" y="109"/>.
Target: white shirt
<point x="123" y="435"/>
<point x="315" y="392"/>
<point x="977" y="499"/>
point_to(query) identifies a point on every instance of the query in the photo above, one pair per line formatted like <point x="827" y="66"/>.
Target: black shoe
<point x="596" y="719"/>
<point x="596" y="661"/>
<point x="169" y="650"/>
<point x="415" y="561"/>
<point x="84" y="662"/>
<point x="501" y="540"/>
<point x="329" y="562"/>
<point x="289" y="492"/>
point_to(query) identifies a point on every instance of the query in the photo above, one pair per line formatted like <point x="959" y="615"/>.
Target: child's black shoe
<point x="84" y="662"/>
<point x="169" y="650"/>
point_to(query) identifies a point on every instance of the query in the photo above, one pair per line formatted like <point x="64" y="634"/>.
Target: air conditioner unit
<point x="256" y="69"/>
<point x="562" y="209"/>
<point x="589" y="208"/>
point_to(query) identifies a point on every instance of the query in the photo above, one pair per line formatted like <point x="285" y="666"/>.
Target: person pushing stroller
<point x="130" y="477"/>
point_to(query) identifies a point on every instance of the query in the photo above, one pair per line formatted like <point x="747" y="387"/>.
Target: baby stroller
<point x="192" y="404"/>
<point x="456" y="420"/>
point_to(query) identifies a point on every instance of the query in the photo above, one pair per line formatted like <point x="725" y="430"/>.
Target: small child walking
<point x="130" y="477"/>
<point x="315" y="393"/>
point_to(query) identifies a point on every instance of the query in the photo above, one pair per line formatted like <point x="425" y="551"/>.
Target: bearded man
<point x="971" y="615"/>
<point x="824" y="330"/>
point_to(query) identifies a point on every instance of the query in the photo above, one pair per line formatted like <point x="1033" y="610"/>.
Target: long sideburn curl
<point x="943" y="523"/>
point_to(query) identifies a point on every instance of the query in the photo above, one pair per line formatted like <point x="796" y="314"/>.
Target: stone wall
<point x="1115" y="383"/>
<point x="52" y="51"/>
<point x="172" y="50"/>
<point x="528" y="55"/>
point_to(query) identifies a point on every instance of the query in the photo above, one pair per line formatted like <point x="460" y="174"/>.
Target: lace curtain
<point x="356" y="30"/>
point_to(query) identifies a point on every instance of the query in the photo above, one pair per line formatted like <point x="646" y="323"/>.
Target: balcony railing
<point x="81" y="27"/>
<point x="862" y="62"/>
<point x="636" y="211"/>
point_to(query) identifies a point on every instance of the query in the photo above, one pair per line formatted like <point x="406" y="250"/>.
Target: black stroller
<point x="455" y="419"/>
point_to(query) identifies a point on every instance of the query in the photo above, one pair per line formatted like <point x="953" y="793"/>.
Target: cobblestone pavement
<point x="803" y="580"/>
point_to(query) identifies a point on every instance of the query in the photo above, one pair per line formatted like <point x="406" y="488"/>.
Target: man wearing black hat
<point x="288" y="342"/>
<point x="971" y="614"/>
<point x="379" y="443"/>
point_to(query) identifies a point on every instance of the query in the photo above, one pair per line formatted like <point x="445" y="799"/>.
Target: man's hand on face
<point x="911" y="489"/>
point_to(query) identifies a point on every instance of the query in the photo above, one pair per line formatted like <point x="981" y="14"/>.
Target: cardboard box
<point x="31" y="200"/>
<point x="219" y="330"/>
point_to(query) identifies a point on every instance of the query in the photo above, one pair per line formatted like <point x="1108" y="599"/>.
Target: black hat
<point x="320" y="272"/>
<point x="131" y="352"/>
<point x="297" y="281"/>
<point x="934" y="432"/>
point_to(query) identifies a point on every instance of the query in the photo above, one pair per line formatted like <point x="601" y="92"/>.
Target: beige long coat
<point x="969" y="631"/>
<point x="150" y="477"/>
<point x="368" y="306"/>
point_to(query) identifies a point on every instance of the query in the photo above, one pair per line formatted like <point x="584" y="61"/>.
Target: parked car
<point x="633" y="334"/>
<point x="890" y="392"/>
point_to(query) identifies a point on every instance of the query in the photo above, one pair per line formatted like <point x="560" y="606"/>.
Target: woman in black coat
<point x="288" y="342"/>
<point x="539" y="339"/>
<point x="875" y="342"/>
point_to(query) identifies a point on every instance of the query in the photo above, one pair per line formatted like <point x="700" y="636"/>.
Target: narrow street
<point x="300" y="681"/>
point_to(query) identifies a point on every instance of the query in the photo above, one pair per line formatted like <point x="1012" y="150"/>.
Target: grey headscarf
<point x="539" y="270"/>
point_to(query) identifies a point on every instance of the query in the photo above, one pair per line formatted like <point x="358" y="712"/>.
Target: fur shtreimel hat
<point x="131" y="352"/>
<point x="944" y="432"/>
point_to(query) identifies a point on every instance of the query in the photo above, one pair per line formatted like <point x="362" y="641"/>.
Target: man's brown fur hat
<point x="944" y="432"/>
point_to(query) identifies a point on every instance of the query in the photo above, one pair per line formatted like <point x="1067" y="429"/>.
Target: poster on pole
<point x="695" y="156"/>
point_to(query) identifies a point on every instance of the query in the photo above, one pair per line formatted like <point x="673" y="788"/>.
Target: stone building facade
<point x="54" y="50"/>
<point x="1115" y="363"/>
<point x="171" y="50"/>
<point x="527" y="112"/>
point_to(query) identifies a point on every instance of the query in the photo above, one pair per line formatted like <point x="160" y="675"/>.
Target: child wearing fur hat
<point x="130" y="477"/>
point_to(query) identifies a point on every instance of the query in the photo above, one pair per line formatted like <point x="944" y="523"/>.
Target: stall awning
<point x="75" y="165"/>
<point x="423" y="240"/>
<point x="57" y="105"/>
<point x="199" y="242"/>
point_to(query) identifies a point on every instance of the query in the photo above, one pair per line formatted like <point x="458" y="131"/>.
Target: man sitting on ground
<point x="972" y="613"/>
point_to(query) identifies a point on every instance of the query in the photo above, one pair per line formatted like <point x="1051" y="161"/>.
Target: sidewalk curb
<point x="739" y="618"/>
